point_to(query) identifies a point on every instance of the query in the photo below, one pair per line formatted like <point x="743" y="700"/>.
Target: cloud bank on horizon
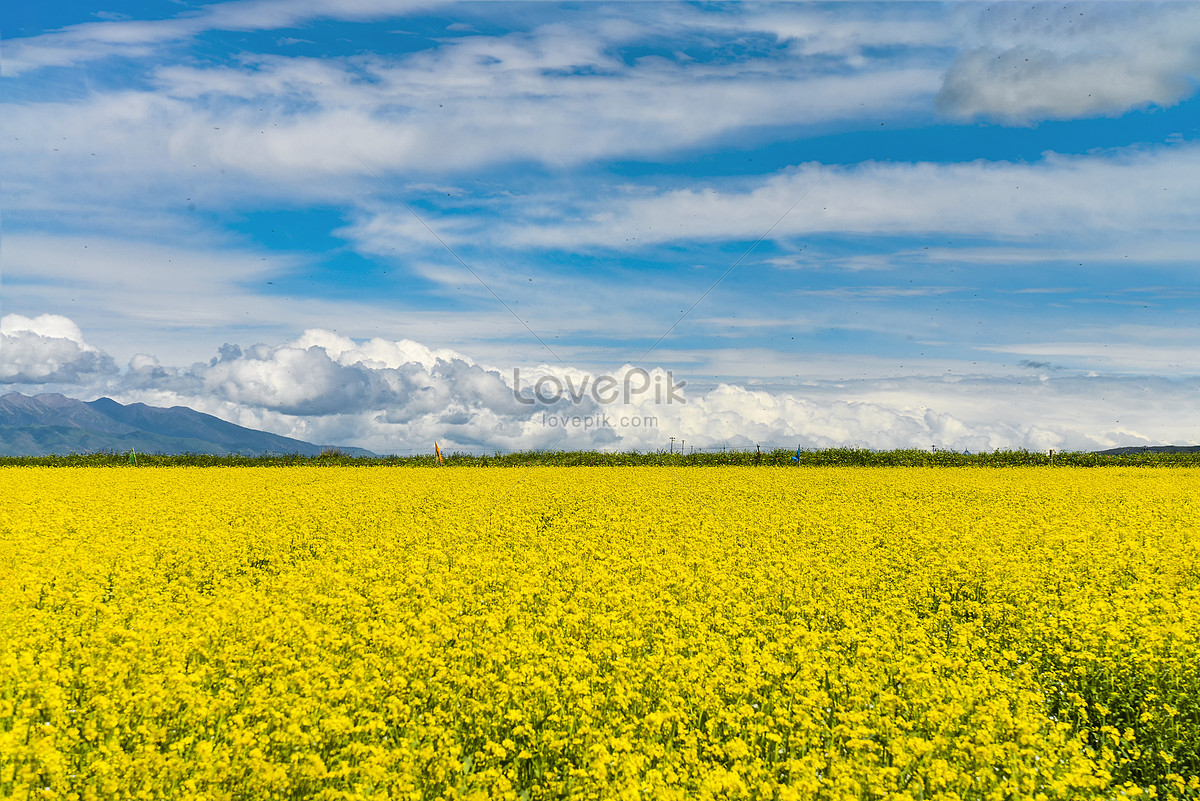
<point x="954" y="225"/>
<point x="388" y="395"/>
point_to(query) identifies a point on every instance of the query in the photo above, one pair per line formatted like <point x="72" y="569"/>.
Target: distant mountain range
<point x="1150" y="449"/>
<point x="49" y="424"/>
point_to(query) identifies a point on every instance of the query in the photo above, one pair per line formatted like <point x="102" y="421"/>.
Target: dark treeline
<point x="840" y="457"/>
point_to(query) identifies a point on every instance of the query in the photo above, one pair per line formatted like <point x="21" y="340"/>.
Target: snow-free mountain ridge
<point x="50" y="424"/>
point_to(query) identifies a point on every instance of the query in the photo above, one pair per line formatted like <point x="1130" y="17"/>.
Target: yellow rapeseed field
<point x="597" y="633"/>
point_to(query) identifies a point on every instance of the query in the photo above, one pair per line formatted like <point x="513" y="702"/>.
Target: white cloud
<point x="47" y="349"/>
<point x="323" y="373"/>
<point x="292" y="380"/>
<point x="151" y="272"/>
<point x="78" y="44"/>
<point x="399" y="396"/>
<point x="545" y="97"/>
<point x="377" y="353"/>
<point x="186" y="293"/>
<point x="559" y="94"/>
<point x="1092" y="198"/>
<point x="1078" y="60"/>
<point x="1114" y="356"/>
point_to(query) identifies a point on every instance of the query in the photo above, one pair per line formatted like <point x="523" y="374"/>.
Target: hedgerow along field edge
<point x="825" y="457"/>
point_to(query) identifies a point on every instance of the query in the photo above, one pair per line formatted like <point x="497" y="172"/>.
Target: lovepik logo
<point x="603" y="389"/>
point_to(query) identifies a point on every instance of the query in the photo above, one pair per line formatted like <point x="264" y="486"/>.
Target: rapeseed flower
<point x="594" y="633"/>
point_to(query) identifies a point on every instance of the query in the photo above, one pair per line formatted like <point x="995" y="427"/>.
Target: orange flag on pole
<point x="438" y="451"/>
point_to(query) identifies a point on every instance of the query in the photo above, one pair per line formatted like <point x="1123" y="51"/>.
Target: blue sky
<point x="957" y="225"/>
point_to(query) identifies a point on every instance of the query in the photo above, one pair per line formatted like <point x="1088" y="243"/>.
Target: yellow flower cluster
<point x="599" y="633"/>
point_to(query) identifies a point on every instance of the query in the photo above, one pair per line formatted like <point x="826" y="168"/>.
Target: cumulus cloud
<point x="398" y="396"/>
<point x="47" y="349"/>
<point x="466" y="406"/>
<point x="322" y="373"/>
<point x="1080" y="60"/>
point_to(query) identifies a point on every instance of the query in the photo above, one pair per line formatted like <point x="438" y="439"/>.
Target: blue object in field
<point x="796" y="458"/>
